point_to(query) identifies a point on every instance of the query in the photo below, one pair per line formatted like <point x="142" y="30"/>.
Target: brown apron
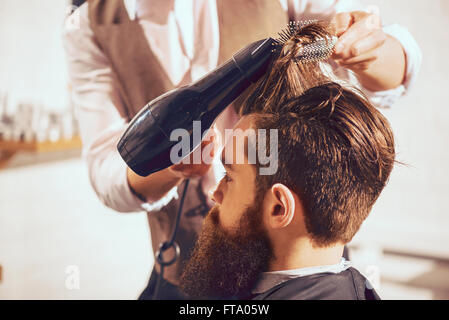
<point x="141" y="78"/>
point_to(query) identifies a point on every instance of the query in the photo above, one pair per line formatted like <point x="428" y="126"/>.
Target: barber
<point x="123" y="53"/>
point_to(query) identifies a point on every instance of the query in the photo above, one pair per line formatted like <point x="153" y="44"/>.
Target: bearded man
<point x="282" y="235"/>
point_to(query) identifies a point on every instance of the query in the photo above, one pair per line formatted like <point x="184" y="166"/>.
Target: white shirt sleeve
<point x="325" y="9"/>
<point x="97" y="103"/>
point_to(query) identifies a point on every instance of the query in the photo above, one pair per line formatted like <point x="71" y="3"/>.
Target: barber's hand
<point x="192" y="170"/>
<point x="361" y="39"/>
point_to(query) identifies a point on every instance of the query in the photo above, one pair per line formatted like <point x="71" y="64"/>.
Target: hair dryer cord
<point x="164" y="246"/>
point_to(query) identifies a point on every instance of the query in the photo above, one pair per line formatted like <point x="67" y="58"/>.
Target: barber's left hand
<point x="361" y="39"/>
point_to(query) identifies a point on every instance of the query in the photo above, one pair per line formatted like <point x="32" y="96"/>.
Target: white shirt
<point x="184" y="36"/>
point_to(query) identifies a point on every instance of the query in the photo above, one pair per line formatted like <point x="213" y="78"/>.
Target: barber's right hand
<point x="191" y="170"/>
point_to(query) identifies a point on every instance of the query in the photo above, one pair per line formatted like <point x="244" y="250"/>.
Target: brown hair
<point x="336" y="150"/>
<point x="287" y="77"/>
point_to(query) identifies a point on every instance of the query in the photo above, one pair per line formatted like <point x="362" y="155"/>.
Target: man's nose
<point x="217" y="195"/>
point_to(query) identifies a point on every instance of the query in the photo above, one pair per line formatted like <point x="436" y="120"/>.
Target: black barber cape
<point x="346" y="285"/>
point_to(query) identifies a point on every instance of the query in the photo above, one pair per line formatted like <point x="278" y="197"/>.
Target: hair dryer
<point x="145" y="146"/>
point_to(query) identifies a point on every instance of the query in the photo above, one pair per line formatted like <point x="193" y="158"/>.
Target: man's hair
<point x="335" y="149"/>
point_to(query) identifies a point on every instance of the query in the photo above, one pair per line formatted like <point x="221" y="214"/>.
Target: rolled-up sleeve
<point x="108" y="174"/>
<point x="97" y="104"/>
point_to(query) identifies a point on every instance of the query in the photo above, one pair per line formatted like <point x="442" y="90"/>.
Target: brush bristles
<point x="286" y="34"/>
<point x="319" y="50"/>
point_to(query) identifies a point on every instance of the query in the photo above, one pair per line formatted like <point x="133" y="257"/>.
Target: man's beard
<point x="227" y="265"/>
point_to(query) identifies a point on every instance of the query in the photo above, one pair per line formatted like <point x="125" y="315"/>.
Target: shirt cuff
<point x="128" y="196"/>
<point x="108" y="174"/>
<point x="159" y="204"/>
<point x="385" y="99"/>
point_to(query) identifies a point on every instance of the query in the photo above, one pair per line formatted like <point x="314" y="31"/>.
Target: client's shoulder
<point x="349" y="284"/>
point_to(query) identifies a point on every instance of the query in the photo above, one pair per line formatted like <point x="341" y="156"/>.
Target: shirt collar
<point x="269" y="280"/>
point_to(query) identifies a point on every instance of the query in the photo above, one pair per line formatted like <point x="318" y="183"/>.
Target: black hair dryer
<point x="145" y="146"/>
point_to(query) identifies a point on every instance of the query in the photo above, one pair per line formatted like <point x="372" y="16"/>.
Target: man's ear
<point x="280" y="206"/>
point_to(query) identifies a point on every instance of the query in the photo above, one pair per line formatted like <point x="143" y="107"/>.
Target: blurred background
<point x="58" y="241"/>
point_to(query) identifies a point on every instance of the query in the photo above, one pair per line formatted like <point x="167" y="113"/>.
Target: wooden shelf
<point x="9" y="148"/>
<point x="46" y="146"/>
